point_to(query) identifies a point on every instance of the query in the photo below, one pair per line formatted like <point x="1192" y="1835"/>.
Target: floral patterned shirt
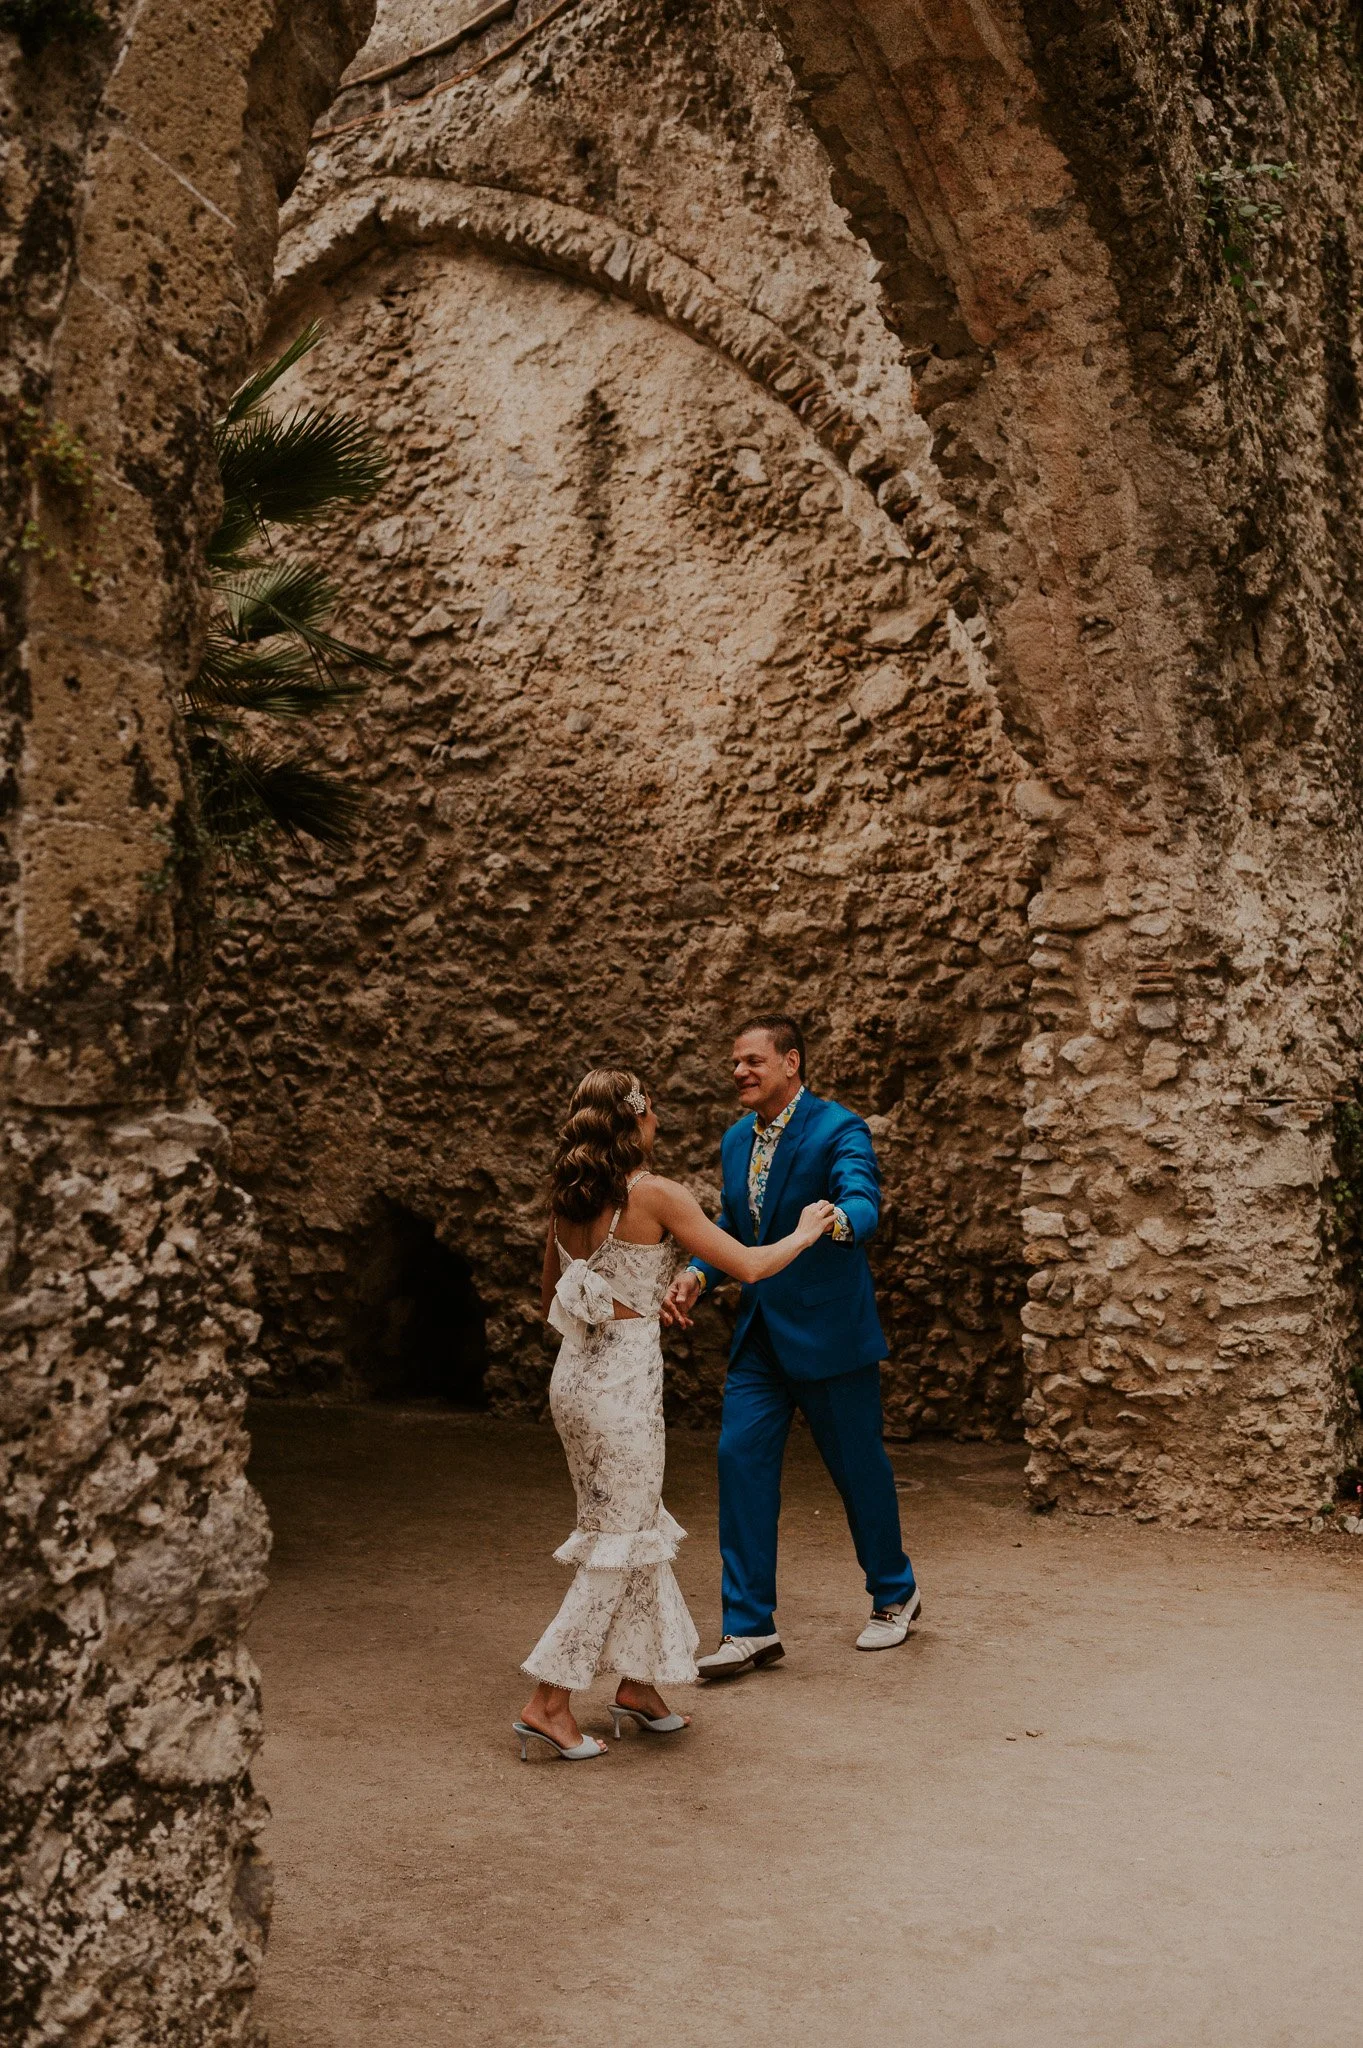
<point x="766" y="1138"/>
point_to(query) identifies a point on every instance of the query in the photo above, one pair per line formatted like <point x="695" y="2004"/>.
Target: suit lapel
<point x="788" y="1144"/>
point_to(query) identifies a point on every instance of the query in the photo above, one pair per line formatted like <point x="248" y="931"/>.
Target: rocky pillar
<point x="1147" y="417"/>
<point x="146" y="152"/>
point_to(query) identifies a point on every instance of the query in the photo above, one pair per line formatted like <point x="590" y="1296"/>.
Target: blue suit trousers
<point x="844" y="1416"/>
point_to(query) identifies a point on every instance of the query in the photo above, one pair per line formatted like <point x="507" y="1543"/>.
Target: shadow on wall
<point x="418" y="1325"/>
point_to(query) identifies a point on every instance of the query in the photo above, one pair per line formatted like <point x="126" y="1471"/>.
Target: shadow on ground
<point x="845" y="1849"/>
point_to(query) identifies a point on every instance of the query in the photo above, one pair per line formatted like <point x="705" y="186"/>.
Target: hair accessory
<point x="636" y="1101"/>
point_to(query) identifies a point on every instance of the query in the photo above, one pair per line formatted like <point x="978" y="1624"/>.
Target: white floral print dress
<point x="624" y="1612"/>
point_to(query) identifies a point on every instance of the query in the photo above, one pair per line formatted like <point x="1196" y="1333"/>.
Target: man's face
<point x="765" y="1078"/>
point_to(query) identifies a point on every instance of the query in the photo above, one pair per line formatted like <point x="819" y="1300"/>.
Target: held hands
<point x="680" y="1299"/>
<point x="675" y="1311"/>
<point x="815" y="1222"/>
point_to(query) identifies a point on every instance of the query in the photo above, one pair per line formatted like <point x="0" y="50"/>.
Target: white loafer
<point x="737" y="1654"/>
<point x="890" y="1625"/>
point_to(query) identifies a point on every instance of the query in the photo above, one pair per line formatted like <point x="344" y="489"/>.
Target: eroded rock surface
<point x="138" y="231"/>
<point x="778" y="625"/>
<point x="694" y="715"/>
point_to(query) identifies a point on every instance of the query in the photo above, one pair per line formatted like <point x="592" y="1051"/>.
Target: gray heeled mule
<point x="664" y="1724"/>
<point x="581" y="1753"/>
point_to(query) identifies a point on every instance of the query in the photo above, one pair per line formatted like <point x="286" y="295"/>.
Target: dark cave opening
<point x="419" y="1329"/>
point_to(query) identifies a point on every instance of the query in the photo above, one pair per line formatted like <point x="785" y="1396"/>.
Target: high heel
<point x="665" y="1724"/>
<point x="582" y="1753"/>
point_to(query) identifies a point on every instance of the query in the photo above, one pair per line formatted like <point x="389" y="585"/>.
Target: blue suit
<point x="808" y="1338"/>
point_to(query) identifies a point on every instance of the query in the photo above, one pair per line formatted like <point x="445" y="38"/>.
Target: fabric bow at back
<point x="581" y="1298"/>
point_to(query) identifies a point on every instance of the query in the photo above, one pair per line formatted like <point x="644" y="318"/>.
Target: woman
<point x="617" y="1234"/>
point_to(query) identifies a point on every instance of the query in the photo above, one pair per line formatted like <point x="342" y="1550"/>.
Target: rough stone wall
<point x="692" y="713"/>
<point x="137" y="239"/>
<point x="1127" y="474"/>
<point x="1153" y="467"/>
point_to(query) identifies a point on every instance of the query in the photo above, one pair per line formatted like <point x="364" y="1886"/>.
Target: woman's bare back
<point x="614" y="1233"/>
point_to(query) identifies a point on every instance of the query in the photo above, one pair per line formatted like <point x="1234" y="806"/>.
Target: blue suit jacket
<point x="821" y="1312"/>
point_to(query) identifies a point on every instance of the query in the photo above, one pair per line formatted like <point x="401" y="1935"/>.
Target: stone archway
<point x="654" y="566"/>
<point x="1185" y="1327"/>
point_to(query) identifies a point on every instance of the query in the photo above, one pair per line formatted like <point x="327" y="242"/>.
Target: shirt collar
<point x="779" y="1122"/>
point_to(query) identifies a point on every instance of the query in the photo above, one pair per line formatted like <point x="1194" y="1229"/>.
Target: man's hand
<point x="680" y="1299"/>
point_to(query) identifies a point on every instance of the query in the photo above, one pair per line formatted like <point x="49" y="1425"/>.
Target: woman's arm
<point x="549" y="1276"/>
<point x="682" y="1215"/>
<point x="711" y="1276"/>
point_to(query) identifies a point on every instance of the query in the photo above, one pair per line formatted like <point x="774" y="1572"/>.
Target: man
<point x="810" y="1339"/>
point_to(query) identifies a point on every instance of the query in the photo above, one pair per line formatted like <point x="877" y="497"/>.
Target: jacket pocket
<point x="837" y="1288"/>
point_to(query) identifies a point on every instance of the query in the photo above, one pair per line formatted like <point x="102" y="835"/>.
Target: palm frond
<point x="290" y="471"/>
<point x="258" y="597"/>
<point x="306" y="802"/>
<point x="248" y="794"/>
<point x="248" y="396"/>
<point x="282" y="682"/>
<point x="270" y="653"/>
<point x="291" y="597"/>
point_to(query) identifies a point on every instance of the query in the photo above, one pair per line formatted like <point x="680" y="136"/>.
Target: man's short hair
<point x="784" y="1033"/>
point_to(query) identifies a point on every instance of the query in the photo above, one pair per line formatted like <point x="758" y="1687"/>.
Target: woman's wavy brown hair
<point x="599" y="1146"/>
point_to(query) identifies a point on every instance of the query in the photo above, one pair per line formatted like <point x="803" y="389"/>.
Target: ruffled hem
<point x="629" y="1550"/>
<point x="637" y="1629"/>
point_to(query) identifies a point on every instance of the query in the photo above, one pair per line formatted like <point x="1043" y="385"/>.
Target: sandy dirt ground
<point x="844" y="1849"/>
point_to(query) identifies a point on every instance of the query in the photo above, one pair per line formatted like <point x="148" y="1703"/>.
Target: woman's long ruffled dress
<point x="624" y="1612"/>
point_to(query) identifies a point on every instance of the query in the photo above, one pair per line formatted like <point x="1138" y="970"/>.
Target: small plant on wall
<point x="272" y="661"/>
<point x="1242" y="205"/>
<point x="58" y="470"/>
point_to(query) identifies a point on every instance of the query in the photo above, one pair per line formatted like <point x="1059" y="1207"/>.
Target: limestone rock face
<point x="138" y="233"/>
<point x="134" y="1554"/>
<point x="1141" y="419"/>
<point x="692" y="719"/>
<point x="874" y="547"/>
